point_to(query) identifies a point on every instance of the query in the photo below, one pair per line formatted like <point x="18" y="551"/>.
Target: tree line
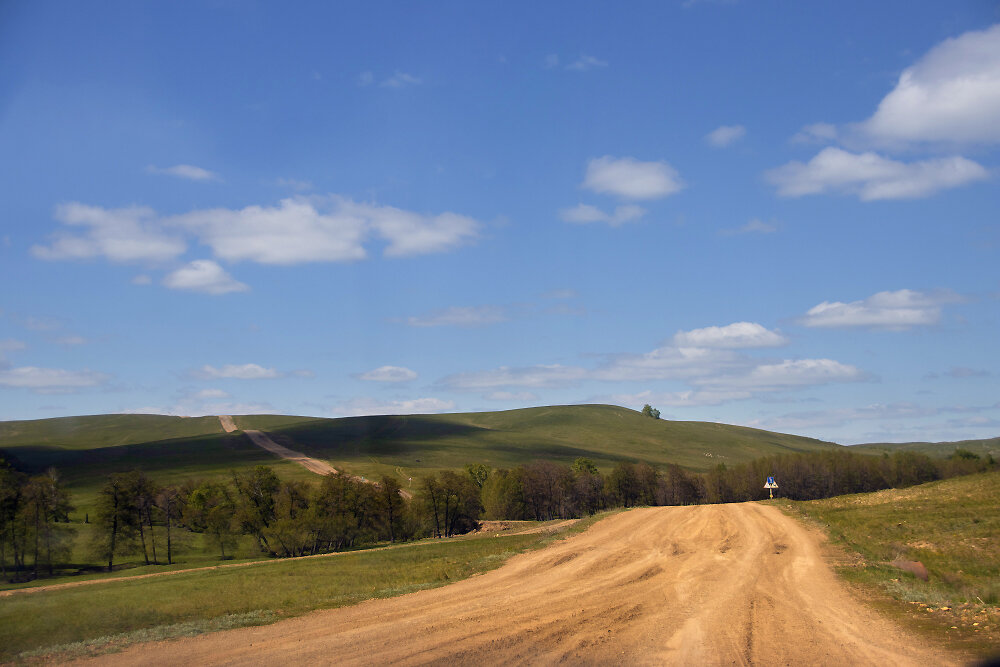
<point x="286" y="518"/>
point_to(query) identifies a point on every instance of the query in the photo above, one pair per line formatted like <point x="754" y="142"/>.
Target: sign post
<point x="770" y="485"/>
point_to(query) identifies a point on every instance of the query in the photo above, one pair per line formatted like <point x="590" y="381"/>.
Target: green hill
<point x="85" y="449"/>
<point x="607" y="434"/>
<point x="990" y="446"/>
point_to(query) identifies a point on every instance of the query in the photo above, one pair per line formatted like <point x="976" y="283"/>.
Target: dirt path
<point x="228" y="425"/>
<point x="262" y="440"/>
<point x="716" y="584"/>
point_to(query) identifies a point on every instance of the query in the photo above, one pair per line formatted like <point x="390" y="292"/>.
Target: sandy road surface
<point x="262" y="440"/>
<point x="706" y="585"/>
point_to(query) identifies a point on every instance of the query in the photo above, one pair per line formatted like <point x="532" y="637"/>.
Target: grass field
<point x="118" y="612"/>
<point x="952" y="527"/>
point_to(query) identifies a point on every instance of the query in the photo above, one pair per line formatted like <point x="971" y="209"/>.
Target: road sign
<point x="771" y="484"/>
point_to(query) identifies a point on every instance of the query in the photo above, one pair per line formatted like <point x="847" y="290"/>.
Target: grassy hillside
<point x="171" y="449"/>
<point x="986" y="447"/>
<point x="97" y="431"/>
<point x="952" y="527"/>
<point x="607" y="434"/>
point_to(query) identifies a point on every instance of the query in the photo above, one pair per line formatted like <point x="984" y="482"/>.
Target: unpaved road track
<point x="263" y="440"/>
<point x="708" y="585"/>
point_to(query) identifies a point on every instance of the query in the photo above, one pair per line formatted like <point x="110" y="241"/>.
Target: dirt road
<point x="262" y="440"/>
<point x="707" y="585"/>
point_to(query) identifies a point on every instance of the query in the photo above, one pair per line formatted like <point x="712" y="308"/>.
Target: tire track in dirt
<point x="712" y="584"/>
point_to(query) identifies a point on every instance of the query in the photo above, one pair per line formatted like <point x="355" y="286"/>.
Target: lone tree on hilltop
<point x="650" y="411"/>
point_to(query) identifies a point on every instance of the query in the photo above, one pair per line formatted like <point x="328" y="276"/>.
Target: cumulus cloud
<point x="585" y="63"/>
<point x="725" y="135"/>
<point x="291" y="233"/>
<point x="203" y="275"/>
<point x="787" y="374"/>
<point x="299" y="229"/>
<point x="951" y="95"/>
<point x="389" y="374"/>
<point x="358" y="407"/>
<point x="460" y="316"/>
<point x="50" y="380"/>
<point x="237" y="372"/>
<point x="119" y="235"/>
<point x="584" y="214"/>
<point x="735" y="335"/>
<point x="870" y="176"/>
<point x="186" y="171"/>
<point x="901" y="309"/>
<point x="631" y="179"/>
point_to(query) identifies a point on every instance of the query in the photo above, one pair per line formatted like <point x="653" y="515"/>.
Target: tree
<point x="650" y="411"/>
<point x="210" y="509"/>
<point x="46" y="504"/>
<point x="116" y="519"/>
<point x="391" y="507"/>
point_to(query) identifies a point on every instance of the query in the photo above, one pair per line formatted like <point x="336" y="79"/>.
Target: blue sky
<point x="770" y="214"/>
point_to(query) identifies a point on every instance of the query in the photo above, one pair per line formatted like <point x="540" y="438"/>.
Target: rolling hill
<point x="989" y="446"/>
<point x="172" y="449"/>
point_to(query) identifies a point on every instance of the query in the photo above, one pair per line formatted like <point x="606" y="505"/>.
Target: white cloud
<point x="50" y="380"/>
<point x="291" y="233"/>
<point x="585" y="213"/>
<point x="754" y="226"/>
<point x="817" y="133"/>
<point x="519" y="396"/>
<point x="389" y="374"/>
<point x="411" y="233"/>
<point x="210" y="394"/>
<point x="142" y="279"/>
<point x="787" y="374"/>
<point x="732" y="336"/>
<point x="237" y="372"/>
<point x="668" y="363"/>
<point x="324" y="229"/>
<point x="185" y="171"/>
<point x="299" y="229"/>
<point x="460" y="316"/>
<point x="119" y="235"/>
<point x="952" y="94"/>
<point x="871" y="176"/>
<point x="369" y="406"/>
<point x="585" y="63"/>
<point x="901" y="309"/>
<point x="203" y="275"/>
<point x="724" y="135"/>
<point x="631" y="179"/>
<point x="532" y="376"/>
<point x="401" y="80"/>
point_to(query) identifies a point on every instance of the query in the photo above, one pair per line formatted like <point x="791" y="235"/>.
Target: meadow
<point x="951" y="526"/>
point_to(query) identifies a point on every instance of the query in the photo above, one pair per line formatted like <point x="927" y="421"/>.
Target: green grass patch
<point x="952" y="527"/>
<point x="119" y="610"/>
